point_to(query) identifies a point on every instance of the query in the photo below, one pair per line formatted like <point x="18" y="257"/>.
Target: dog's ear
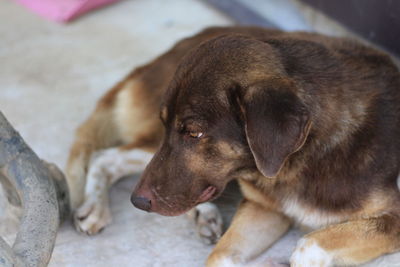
<point x="276" y="124"/>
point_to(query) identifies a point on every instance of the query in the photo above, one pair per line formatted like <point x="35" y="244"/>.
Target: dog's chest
<point x="292" y="206"/>
<point x="308" y="216"/>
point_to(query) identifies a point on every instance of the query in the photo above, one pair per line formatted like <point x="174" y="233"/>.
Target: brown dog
<point x="309" y="125"/>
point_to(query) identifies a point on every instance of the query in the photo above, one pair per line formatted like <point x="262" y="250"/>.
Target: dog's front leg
<point x="349" y="243"/>
<point x="254" y="229"/>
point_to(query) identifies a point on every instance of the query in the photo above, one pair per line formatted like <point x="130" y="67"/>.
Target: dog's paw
<point x="208" y="221"/>
<point x="309" y="254"/>
<point x="234" y="259"/>
<point x="224" y="259"/>
<point x="271" y="263"/>
<point x="268" y="262"/>
<point x="92" y="217"/>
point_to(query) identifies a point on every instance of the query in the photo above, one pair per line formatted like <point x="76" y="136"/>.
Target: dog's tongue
<point x="207" y="194"/>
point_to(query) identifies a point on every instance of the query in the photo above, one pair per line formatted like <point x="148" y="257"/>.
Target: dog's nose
<point x="141" y="202"/>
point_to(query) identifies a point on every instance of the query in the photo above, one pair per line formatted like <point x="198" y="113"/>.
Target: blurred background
<point x="375" y="22"/>
<point x="56" y="62"/>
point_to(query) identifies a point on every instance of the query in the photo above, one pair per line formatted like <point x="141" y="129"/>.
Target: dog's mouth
<point x="207" y="194"/>
<point x="148" y="198"/>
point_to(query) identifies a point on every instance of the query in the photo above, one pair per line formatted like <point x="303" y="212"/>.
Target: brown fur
<point x="307" y="123"/>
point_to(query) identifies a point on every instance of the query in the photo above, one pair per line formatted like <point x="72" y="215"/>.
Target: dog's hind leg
<point x="97" y="132"/>
<point x="127" y="114"/>
<point x="105" y="169"/>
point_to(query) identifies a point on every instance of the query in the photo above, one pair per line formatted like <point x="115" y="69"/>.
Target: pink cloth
<point x="63" y="10"/>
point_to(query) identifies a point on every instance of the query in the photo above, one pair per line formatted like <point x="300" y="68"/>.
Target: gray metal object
<point x="41" y="190"/>
<point x="241" y="13"/>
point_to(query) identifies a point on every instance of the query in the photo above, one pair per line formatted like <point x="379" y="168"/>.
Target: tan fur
<point x="132" y="115"/>
<point x="253" y="229"/>
<point x="96" y="133"/>
<point x="375" y="205"/>
<point x="353" y="242"/>
<point x="255" y="195"/>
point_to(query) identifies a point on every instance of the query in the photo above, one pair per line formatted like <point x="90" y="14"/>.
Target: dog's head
<point x="229" y="111"/>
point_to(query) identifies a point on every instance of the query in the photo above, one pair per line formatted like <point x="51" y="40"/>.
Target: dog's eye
<point x="195" y="134"/>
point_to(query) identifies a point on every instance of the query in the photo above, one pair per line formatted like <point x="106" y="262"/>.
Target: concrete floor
<point x="50" y="78"/>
